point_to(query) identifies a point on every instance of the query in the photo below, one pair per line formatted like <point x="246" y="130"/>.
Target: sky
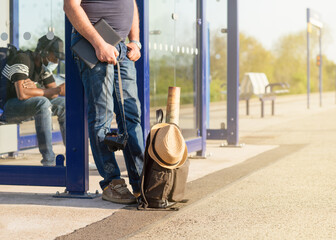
<point x="268" y="20"/>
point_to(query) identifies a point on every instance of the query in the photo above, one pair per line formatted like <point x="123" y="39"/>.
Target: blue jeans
<point x="41" y="109"/>
<point x="102" y="102"/>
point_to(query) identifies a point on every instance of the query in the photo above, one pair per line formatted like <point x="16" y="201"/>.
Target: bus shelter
<point x="190" y="44"/>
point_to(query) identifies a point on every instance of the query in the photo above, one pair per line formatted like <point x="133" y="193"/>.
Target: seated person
<point x="25" y="100"/>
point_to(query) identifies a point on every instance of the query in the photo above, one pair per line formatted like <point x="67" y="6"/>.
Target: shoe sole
<point x="48" y="165"/>
<point x="118" y="200"/>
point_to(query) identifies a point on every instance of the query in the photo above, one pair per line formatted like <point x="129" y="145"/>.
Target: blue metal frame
<point x="77" y="174"/>
<point x="202" y="76"/>
<point x="33" y="175"/>
<point x="208" y="77"/>
<point x="30" y="141"/>
<point x="233" y="74"/>
<point x="14" y="22"/>
<point x="215" y="134"/>
<point x="231" y="134"/>
<point x="193" y="145"/>
<point x="142" y="66"/>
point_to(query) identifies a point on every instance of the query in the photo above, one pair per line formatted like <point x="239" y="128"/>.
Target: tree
<point x="254" y="57"/>
<point x="291" y="63"/>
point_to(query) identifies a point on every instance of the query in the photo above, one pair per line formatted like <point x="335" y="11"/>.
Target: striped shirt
<point x="22" y="67"/>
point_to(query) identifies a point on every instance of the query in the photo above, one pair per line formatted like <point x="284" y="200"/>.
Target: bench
<point x="12" y="140"/>
<point x="8" y="137"/>
<point x="257" y="84"/>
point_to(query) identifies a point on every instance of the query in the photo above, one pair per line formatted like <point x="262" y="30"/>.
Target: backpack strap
<point x="159" y="116"/>
<point x="142" y="201"/>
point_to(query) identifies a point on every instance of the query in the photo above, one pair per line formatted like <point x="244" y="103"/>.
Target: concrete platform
<point x="280" y="185"/>
<point x="35" y="213"/>
<point x="292" y="198"/>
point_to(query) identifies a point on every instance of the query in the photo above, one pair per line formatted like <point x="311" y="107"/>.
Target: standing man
<point x="25" y="100"/>
<point x="122" y="15"/>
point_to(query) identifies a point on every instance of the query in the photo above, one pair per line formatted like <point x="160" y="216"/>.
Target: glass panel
<point x="161" y="53"/>
<point x="36" y="19"/>
<point x="4" y="23"/>
<point x="186" y="51"/>
<point x="172" y="51"/>
<point x="218" y="62"/>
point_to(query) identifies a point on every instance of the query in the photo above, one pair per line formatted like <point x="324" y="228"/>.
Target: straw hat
<point x="167" y="146"/>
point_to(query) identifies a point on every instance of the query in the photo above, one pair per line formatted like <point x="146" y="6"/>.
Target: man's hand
<point x="62" y="88"/>
<point x="107" y="53"/>
<point x="133" y="51"/>
<point x="77" y="16"/>
<point x="28" y="84"/>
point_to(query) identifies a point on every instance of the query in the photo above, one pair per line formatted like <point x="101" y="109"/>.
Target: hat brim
<point x="155" y="128"/>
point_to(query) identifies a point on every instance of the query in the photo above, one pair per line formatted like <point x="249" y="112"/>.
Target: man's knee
<point x="132" y="110"/>
<point x="43" y="105"/>
<point x="58" y="107"/>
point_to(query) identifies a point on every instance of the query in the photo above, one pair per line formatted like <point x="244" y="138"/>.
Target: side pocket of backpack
<point x="180" y="176"/>
<point x="158" y="185"/>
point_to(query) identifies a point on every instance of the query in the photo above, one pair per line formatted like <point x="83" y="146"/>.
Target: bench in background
<point x="258" y="85"/>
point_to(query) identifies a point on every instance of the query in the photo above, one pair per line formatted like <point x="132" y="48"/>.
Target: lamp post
<point x="313" y="19"/>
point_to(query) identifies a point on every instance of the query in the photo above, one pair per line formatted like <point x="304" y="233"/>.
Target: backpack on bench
<point x="165" y="169"/>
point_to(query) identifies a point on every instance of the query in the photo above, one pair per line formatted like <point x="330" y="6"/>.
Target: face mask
<point x="50" y="67"/>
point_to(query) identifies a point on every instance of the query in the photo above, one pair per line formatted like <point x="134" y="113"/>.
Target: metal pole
<point x="308" y="56"/>
<point x="320" y="68"/>
<point x="77" y="172"/>
<point x="142" y="66"/>
<point x="14" y="23"/>
<point x="202" y="73"/>
<point x="233" y="73"/>
<point x="208" y="77"/>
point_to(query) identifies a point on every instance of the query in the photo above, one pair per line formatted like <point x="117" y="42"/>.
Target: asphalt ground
<point x="287" y="192"/>
<point x="129" y="221"/>
<point x="280" y="185"/>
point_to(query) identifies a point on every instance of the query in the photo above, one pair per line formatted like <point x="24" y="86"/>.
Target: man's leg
<point x="58" y="109"/>
<point x="98" y="91"/>
<point x="40" y="108"/>
<point x="133" y="152"/>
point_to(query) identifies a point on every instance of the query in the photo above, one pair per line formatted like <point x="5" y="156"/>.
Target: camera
<point x="115" y="141"/>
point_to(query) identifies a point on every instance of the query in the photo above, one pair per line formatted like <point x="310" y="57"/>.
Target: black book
<point x="86" y="52"/>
